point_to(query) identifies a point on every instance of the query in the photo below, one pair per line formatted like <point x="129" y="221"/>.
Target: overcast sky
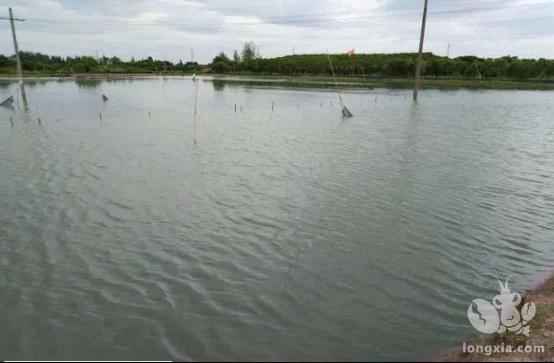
<point x="169" y="29"/>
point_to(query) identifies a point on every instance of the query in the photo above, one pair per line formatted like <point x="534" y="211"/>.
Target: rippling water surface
<point x="284" y="234"/>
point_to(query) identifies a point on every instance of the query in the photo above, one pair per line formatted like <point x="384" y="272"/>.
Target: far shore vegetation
<point x="352" y="70"/>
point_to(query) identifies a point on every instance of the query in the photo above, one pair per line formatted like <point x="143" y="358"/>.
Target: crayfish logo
<point x="503" y="314"/>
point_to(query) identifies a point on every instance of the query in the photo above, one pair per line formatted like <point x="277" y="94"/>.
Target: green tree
<point x="236" y="56"/>
<point x="249" y="52"/>
<point x="221" y="63"/>
<point x="221" y="57"/>
<point x="221" y="67"/>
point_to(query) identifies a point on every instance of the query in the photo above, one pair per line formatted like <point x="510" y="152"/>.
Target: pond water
<point x="279" y="231"/>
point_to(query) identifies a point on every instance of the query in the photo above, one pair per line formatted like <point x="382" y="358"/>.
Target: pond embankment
<point x="312" y="81"/>
<point x="542" y="334"/>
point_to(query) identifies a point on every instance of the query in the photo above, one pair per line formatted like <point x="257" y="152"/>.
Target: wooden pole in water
<point x="420" y="56"/>
<point x="345" y="111"/>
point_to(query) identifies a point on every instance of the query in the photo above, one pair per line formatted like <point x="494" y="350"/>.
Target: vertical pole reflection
<point x="24" y="96"/>
<point x="195" y="115"/>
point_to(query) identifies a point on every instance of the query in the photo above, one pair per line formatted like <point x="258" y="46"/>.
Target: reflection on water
<point x="88" y="83"/>
<point x="24" y="97"/>
<point x="196" y="85"/>
<point x="35" y="82"/>
<point x="218" y="85"/>
<point x="284" y="233"/>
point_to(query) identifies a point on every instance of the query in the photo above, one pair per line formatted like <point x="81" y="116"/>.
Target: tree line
<point x="249" y="61"/>
<point x="401" y="65"/>
<point x="41" y="63"/>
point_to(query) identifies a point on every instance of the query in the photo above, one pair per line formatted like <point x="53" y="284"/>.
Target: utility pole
<point x="17" y="58"/>
<point x="15" y="46"/>
<point x="448" y="51"/>
<point x="420" y="57"/>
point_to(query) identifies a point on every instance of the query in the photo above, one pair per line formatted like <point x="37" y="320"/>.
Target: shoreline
<point x="89" y="77"/>
<point x="311" y="81"/>
<point x="541" y="292"/>
<point x="393" y="83"/>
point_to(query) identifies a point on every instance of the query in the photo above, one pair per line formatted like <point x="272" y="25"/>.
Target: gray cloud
<point x="169" y="28"/>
